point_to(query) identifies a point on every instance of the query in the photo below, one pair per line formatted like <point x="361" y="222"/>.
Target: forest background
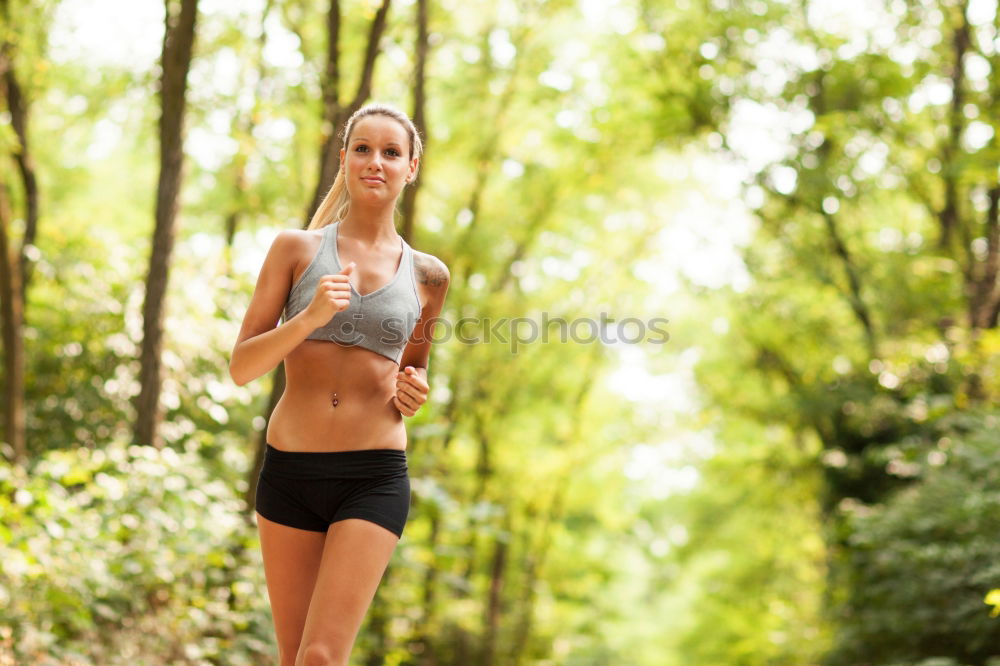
<point x="805" y="195"/>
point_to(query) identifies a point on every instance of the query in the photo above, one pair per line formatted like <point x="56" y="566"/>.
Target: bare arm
<point x="412" y="385"/>
<point x="262" y="344"/>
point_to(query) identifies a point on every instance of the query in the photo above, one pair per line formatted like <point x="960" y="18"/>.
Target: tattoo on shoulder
<point x="431" y="271"/>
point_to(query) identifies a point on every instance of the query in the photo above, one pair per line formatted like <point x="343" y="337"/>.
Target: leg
<point x="354" y="559"/>
<point x="291" y="563"/>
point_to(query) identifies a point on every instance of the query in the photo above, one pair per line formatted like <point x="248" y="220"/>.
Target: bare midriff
<point x="337" y="398"/>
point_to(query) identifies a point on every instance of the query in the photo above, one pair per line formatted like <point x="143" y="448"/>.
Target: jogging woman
<point x="358" y="306"/>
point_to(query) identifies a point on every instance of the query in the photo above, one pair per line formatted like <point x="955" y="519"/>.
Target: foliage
<point x="136" y="554"/>
<point x="921" y="563"/>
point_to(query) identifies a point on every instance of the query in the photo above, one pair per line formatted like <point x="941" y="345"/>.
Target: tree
<point x="13" y="336"/>
<point x="178" y="41"/>
<point x="17" y="106"/>
<point x="15" y="271"/>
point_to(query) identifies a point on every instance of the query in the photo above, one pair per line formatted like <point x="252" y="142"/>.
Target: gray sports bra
<point x="381" y="321"/>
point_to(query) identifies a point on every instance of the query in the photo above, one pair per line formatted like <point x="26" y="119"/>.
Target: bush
<point x="919" y="566"/>
<point x="128" y="554"/>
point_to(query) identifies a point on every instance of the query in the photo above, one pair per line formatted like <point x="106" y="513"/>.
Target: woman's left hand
<point x="411" y="391"/>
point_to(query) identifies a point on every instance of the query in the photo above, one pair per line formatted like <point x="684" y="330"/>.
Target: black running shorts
<point x="312" y="490"/>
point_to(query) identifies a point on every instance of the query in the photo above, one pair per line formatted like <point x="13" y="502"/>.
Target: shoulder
<point x="293" y="239"/>
<point x="291" y="245"/>
<point x="431" y="271"/>
<point x="291" y="250"/>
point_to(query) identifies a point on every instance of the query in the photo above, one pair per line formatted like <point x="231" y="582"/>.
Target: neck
<point x="372" y="226"/>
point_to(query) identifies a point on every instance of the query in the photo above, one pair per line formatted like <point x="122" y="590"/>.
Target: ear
<point x="342" y="153"/>
<point x="414" y="163"/>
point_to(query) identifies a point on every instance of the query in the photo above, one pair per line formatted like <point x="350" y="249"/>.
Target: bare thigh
<point x="354" y="559"/>
<point x="291" y="563"/>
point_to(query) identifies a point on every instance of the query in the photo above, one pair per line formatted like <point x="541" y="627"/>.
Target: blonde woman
<point x="358" y="306"/>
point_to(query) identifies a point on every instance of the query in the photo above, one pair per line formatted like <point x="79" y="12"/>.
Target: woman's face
<point x="376" y="161"/>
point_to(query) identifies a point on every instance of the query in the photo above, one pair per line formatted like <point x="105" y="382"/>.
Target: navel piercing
<point x="336" y="401"/>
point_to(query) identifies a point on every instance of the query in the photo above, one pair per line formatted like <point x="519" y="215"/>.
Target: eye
<point x="393" y="152"/>
<point x="360" y="148"/>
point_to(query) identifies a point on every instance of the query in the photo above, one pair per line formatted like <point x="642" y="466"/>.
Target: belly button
<point x="335" y="401"/>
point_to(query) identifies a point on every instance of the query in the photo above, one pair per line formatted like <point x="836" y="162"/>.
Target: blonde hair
<point x="337" y="202"/>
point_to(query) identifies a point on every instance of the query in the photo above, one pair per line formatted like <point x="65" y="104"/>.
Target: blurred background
<point x="770" y="436"/>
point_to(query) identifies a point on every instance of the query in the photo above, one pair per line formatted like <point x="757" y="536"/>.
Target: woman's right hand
<point x="333" y="295"/>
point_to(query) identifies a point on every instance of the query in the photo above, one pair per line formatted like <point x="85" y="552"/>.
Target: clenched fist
<point x="333" y="295"/>
<point x="411" y="391"/>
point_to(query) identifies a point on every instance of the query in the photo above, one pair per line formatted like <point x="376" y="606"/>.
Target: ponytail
<point x="334" y="206"/>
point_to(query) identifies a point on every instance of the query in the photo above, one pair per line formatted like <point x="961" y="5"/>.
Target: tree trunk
<point x="178" y="40"/>
<point x="854" y="297"/>
<point x="13" y="339"/>
<point x="949" y="217"/>
<point x="428" y="656"/>
<point x="238" y="206"/>
<point x="983" y="291"/>
<point x="494" y="605"/>
<point x="419" y="119"/>
<point x="484" y="472"/>
<point x="990" y="306"/>
<point x="18" y="108"/>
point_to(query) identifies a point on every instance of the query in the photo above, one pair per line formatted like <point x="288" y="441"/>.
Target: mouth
<point x="373" y="179"/>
